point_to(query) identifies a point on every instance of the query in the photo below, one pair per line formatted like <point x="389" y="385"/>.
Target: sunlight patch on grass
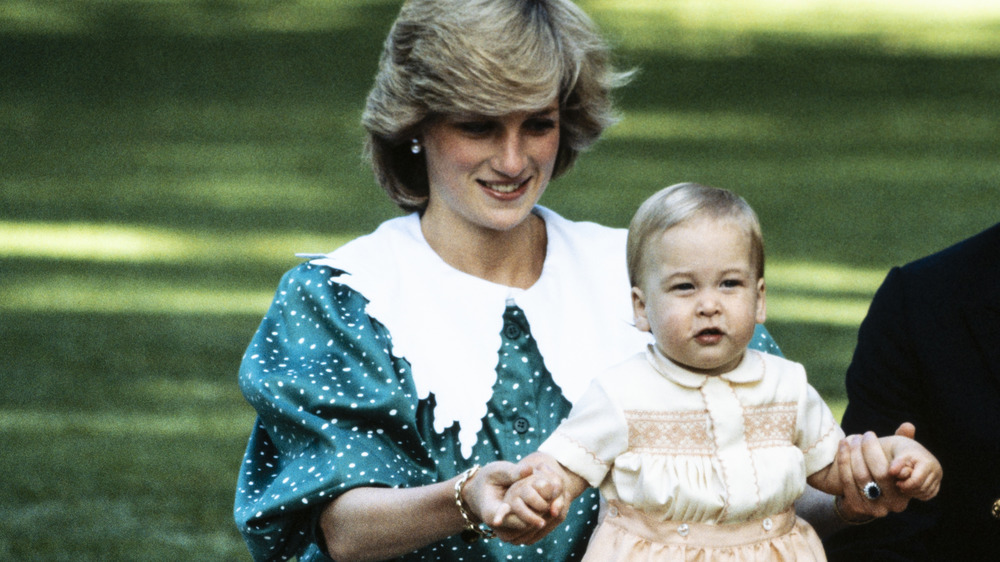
<point x="143" y="244"/>
<point x="164" y="390"/>
<point x="903" y="122"/>
<point x="837" y="406"/>
<point x="83" y="294"/>
<point x="89" y="295"/>
<point x="220" y="424"/>
<point x="721" y="27"/>
<point x="805" y="276"/>
<point x="841" y="312"/>
<point x="715" y="125"/>
<point x="799" y="291"/>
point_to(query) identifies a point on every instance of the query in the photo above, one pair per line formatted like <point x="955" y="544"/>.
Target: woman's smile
<point x="505" y="188"/>
<point x="488" y="172"/>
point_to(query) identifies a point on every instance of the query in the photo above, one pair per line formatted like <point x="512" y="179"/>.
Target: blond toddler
<point x="700" y="446"/>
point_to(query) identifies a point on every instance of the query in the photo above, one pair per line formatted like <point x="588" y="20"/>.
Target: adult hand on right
<point x="867" y="463"/>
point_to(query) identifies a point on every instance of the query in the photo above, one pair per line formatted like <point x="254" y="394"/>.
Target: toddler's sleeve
<point x="593" y="435"/>
<point x="818" y="433"/>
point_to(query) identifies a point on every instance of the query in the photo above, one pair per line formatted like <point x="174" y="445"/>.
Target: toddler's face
<point x="699" y="294"/>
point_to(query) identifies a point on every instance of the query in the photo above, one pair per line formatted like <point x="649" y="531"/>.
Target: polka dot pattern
<point x="762" y="341"/>
<point x="337" y="410"/>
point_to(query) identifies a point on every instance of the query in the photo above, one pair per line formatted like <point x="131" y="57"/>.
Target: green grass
<point x="160" y="163"/>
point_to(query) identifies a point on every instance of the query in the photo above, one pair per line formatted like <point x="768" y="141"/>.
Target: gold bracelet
<point x="473" y="531"/>
<point x="840" y="515"/>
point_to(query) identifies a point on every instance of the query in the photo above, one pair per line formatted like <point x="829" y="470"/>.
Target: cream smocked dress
<point x="694" y="467"/>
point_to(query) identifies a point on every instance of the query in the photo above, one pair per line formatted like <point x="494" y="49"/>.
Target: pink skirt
<point x="626" y="534"/>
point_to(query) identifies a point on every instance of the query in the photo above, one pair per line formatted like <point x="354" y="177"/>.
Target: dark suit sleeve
<point x="883" y="387"/>
<point x="883" y="382"/>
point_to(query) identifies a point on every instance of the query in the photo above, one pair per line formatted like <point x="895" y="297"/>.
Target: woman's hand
<point x="537" y="503"/>
<point x="862" y="460"/>
<point x="484" y="493"/>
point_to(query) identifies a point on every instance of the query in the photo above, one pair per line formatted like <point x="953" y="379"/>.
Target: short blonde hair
<point x="488" y="57"/>
<point x="680" y="202"/>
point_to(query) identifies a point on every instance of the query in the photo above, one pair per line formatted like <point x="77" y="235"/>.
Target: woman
<point x="455" y="336"/>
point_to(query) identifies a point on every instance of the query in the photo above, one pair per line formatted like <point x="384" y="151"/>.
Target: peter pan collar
<point x="579" y="312"/>
<point x="749" y="370"/>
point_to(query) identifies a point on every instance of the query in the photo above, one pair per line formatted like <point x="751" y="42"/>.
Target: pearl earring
<point x="415" y="146"/>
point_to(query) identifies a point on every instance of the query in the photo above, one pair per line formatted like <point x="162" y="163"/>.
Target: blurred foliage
<point x="161" y="160"/>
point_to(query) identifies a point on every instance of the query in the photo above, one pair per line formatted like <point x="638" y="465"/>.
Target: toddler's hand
<point x="918" y="472"/>
<point x="530" y="501"/>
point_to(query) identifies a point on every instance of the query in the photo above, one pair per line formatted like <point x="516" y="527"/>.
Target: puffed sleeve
<point x="588" y="441"/>
<point x="817" y="432"/>
<point x="336" y="410"/>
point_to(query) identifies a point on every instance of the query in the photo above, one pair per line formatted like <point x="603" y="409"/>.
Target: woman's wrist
<point x="848" y="520"/>
<point x="474" y="529"/>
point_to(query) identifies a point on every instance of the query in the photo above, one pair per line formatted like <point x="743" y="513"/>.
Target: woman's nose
<point x="510" y="159"/>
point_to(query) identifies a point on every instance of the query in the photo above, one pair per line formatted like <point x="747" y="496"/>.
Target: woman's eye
<point x="474" y="127"/>
<point x="541" y="124"/>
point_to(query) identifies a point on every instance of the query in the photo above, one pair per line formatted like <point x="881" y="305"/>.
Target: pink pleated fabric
<point x="626" y="534"/>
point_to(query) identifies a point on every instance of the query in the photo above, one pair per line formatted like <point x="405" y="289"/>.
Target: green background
<point x="161" y="161"/>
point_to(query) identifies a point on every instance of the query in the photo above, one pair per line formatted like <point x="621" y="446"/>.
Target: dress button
<point x="512" y="331"/>
<point x="683" y="530"/>
<point x="996" y="509"/>
<point x="612" y="511"/>
<point x="767" y="524"/>
<point x="521" y="425"/>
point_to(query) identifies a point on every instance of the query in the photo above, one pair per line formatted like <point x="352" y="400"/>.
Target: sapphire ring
<point x="872" y="491"/>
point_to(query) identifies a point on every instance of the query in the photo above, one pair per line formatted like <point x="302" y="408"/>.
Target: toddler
<point x="700" y="446"/>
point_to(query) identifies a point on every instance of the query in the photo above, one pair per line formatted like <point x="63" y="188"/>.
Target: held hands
<point x="902" y="468"/>
<point x="484" y="493"/>
<point x="534" y="504"/>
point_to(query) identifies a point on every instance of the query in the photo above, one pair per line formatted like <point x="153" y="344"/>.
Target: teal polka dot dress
<point x="329" y="373"/>
<point x="337" y="410"/>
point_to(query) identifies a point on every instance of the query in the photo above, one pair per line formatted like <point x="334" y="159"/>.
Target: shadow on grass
<point x="261" y="131"/>
<point x="140" y="429"/>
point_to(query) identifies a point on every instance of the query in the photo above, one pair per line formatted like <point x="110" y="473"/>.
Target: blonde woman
<point x="399" y="378"/>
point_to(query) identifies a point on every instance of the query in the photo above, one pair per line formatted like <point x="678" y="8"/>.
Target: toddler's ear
<point x="761" y="301"/>
<point x="639" y="310"/>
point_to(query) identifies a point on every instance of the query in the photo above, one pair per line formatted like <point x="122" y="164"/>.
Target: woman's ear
<point x="761" y="301"/>
<point x="639" y="310"/>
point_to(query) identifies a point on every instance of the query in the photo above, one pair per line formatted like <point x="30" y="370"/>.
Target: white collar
<point x="579" y="312"/>
<point x="749" y="370"/>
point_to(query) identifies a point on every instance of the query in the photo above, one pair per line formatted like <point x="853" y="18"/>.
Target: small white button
<point x="683" y="530"/>
<point x="768" y="524"/>
<point x="613" y="511"/>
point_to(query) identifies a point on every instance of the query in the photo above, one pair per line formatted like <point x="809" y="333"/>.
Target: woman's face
<point x="488" y="172"/>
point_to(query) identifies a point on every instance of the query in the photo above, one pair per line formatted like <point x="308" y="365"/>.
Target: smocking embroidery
<point x="677" y="433"/>
<point x="771" y="425"/>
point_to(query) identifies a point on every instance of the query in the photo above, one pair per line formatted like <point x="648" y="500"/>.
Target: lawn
<point x="161" y="162"/>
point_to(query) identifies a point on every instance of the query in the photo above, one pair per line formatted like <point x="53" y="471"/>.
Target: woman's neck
<point x="513" y="257"/>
